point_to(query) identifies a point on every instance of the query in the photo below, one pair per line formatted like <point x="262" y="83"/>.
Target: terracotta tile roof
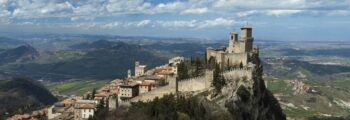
<point x="101" y="95"/>
<point x="85" y="106"/>
<point x="148" y="82"/>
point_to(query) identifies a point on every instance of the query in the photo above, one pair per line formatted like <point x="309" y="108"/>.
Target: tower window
<point x="231" y="37"/>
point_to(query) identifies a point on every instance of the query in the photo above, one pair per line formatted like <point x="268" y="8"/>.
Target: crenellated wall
<point x="186" y="85"/>
<point x="238" y="73"/>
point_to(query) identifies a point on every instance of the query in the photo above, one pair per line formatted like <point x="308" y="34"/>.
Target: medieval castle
<point x="162" y="80"/>
<point x="238" y="52"/>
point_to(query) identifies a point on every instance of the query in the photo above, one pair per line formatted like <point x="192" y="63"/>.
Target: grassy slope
<point x="324" y="100"/>
<point x="77" y="87"/>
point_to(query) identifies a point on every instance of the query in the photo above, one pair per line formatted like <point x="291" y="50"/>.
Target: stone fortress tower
<point x="238" y="51"/>
<point x="139" y="69"/>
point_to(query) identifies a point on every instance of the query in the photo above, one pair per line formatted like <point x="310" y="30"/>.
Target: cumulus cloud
<point x="82" y="18"/>
<point x="127" y="6"/>
<point x="170" y="24"/>
<point x="188" y="14"/>
<point x="195" y="11"/>
<point x="126" y="25"/>
<point x="282" y="12"/>
<point x="168" y="7"/>
<point x="40" y="8"/>
<point x="71" y="8"/>
<point x="178" y="24"/>
<point x="198" y="24"/>
<point x="269" y="12"/>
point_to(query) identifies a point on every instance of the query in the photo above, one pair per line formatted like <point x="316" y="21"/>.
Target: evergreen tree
<point x="228" y="65"/>
<point x="197" y="67"/>
<point x="182" y="71"/>
<point x="93" y="93"/>
<point x="218" y="79"/>
<point x="241" y="65"/>
<point x="101" y="111"/>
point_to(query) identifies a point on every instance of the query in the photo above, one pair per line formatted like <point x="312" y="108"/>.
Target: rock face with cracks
<point x="245" y="96"/>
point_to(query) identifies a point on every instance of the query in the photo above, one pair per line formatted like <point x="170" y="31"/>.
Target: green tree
<point x="198" y="66"/>
<point x="228" y="65"/>
<point x="218" y="79"/>
<point x="182" y="71"/>
<point x="101" y="112"/>
<point x="93" y="93"/>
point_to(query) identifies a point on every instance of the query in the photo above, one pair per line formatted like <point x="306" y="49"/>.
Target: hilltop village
<point x="239" y="64"/>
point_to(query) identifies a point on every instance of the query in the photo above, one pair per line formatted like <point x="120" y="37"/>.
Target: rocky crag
<point x="247" y="98"/>
<point x="239" y="90"/>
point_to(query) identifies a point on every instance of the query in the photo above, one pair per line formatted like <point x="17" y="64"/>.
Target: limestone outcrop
<point x="244" y="95"/>
<point x="248" y="99"/>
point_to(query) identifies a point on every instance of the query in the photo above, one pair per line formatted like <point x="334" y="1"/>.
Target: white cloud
<point x="197" y="24"/>
<point x="195" y="11"/>
<point x="82" y="18"/>
<point x="93" y="10"/>
<point x="127" y="6"/>
<point x="282" y="12"/>
<point x="143" y="23"/>
<point x="171" y="24"/>
<point x="40" y="8"/>
<point x="168" y="7"/>
<point x="126" y="25"/>
<point x="72" y="8"/>
<point x="178" y="24"/>
<point x="247" y="13"/>
<point x="217" y="22"/>
<point x="268" y="12"/>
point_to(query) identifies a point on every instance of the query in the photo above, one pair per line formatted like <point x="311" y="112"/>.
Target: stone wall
<point x="197" y="83"/>
<point x="187" y="85"/>
<point x="238" y="73"/>
<point x="236" y="58"/>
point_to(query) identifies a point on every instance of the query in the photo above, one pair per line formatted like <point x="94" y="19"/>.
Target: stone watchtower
<point x="129" y="73"/>
<point x="139" y="69"/>
<point x="246" y="39"/>
<point x="233" y="44"/>
<point x="239" y="51"/>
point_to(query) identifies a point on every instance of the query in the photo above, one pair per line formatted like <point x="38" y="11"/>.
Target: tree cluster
<point x="218" y="79"/>
<point x="191" y="68"/>
<point x="101" y="111"/>
<point x="169" y="107"/>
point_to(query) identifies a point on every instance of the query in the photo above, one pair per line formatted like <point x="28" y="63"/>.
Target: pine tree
<point x="228" y="66"/>
<point x="182" y="71"/>
<point x="218" y="79"/>
<point x="197" y="67"/>
<point x="93" y="93"/>
<point x="241" y="65"/>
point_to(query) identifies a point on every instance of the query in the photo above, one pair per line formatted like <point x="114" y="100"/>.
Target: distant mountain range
<point x="20" y="54"/>
<point x="97" y="60"/>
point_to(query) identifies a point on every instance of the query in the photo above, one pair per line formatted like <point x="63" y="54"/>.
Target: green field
<point x="323" y="103"/>
<point x="76" y="87"/>
<point x="278" y="86"/>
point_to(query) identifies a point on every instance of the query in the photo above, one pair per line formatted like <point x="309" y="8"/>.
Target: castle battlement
<point x="239" y="51"/>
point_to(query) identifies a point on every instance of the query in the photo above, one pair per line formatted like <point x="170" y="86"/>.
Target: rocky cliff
<point x="247" y="98"/>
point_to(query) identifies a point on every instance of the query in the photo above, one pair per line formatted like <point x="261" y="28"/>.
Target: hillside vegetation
<point x="18" y="95"/>
<point x="76" y="87"/>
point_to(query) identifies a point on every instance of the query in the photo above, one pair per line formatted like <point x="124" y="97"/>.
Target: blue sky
<point x="210" y="19"/>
